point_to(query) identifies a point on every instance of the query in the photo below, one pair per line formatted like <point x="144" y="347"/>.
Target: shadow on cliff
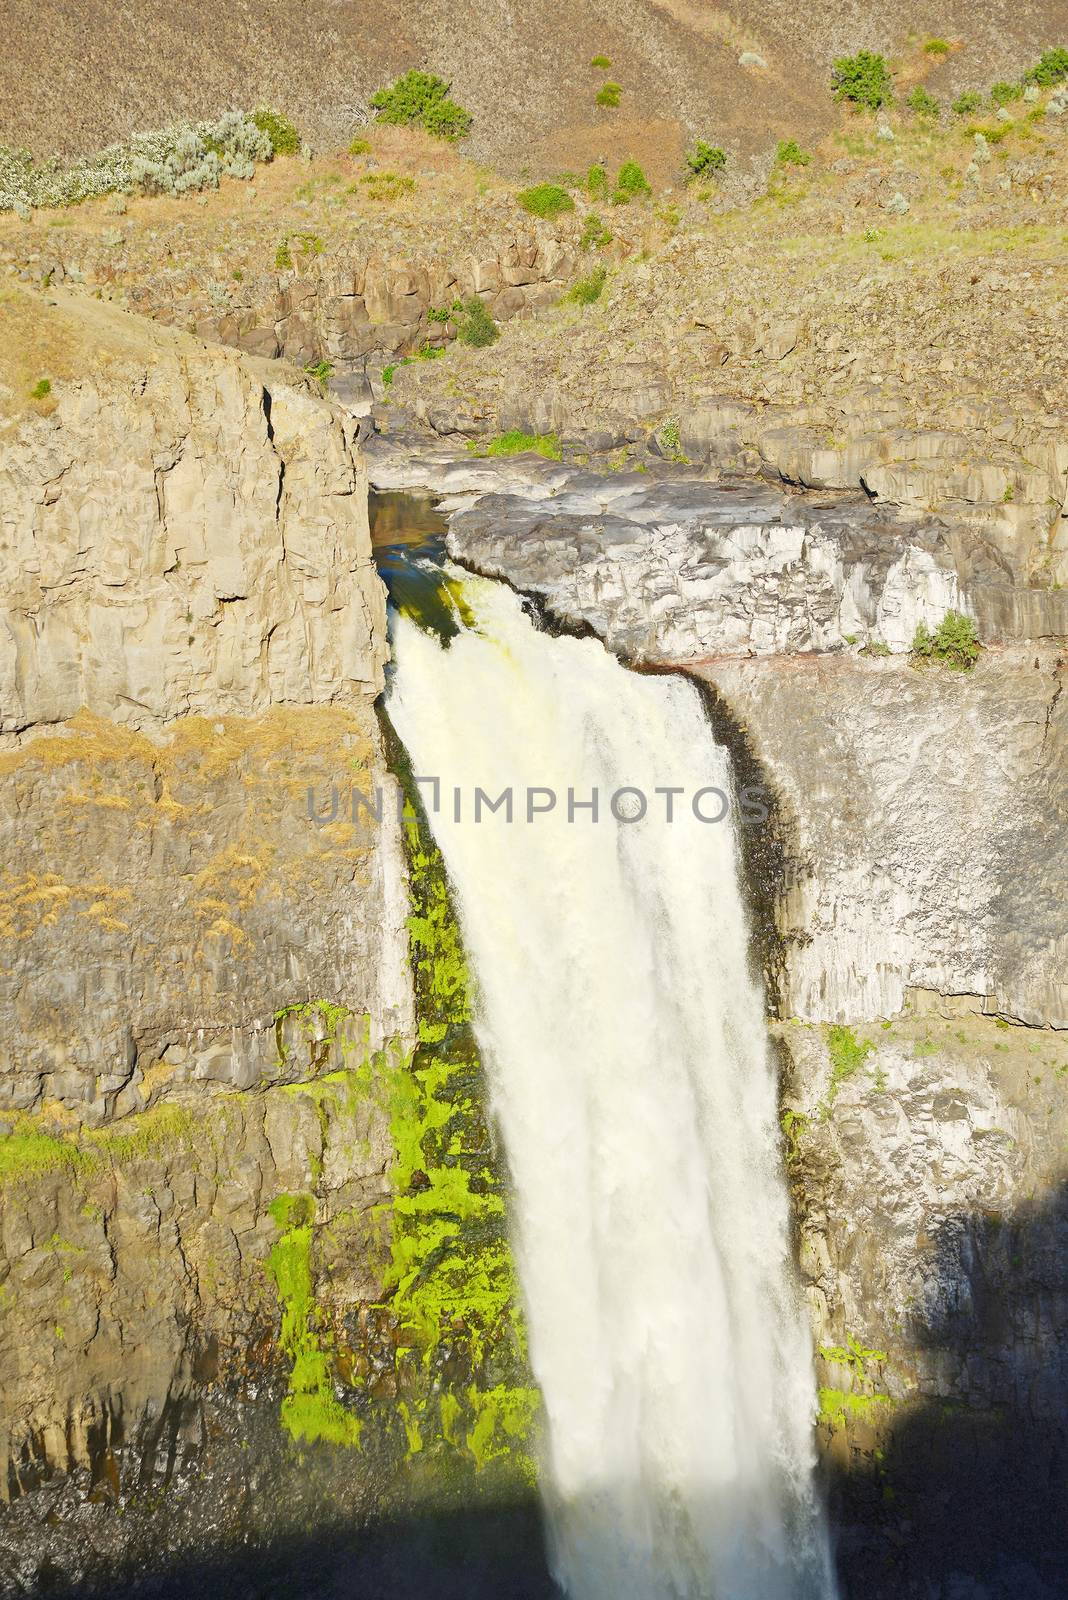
<point x="479" y="1554"/>
<point x="966" y="1496"/>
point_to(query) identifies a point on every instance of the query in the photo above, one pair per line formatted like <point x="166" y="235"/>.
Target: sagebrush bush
<point x="285" y="140"/>
<point x="922" y="103"/>
<point x="790" y="154"/>
<point x="863" y="80"/>
<point x="545" y="200"/>
<point x="705" y="159"/>
<point x="474" y="325"/>
<point x="954" y="642"/>
<point x="180" y="159"/>
<point x="631" y="183"/>
<point x="421" y="100"/>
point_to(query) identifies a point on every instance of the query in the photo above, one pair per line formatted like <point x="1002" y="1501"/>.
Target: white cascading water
<point x="624" y="1040"/>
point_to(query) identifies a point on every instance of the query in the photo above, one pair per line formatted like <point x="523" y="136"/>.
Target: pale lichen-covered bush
<point x="174" y="160"/>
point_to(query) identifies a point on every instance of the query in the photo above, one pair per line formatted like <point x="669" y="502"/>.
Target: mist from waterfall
<point x="624" y="1040"/>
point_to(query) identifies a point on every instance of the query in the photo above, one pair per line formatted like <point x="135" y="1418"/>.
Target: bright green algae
<point x="464" y="1389"/>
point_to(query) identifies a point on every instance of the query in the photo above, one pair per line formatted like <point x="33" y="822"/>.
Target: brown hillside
<point x="76" y="74"/>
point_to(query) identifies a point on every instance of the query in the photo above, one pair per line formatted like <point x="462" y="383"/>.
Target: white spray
<point x="624" y="1040"/>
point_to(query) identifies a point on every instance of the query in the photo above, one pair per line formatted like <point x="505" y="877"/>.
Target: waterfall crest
<point x="624" y="1042"/>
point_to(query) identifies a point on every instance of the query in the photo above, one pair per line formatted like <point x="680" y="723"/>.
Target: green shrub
<point x="968" y="103"/>
<point x="790" y="154"/>
<point x="588" y="289"/>
<point x="597" y="185"/>
<point x="474" y="325"/>
<point x="516" y="443"/>
<point x="545" y="200"/>
<point x="283" y="257"/>
<point x="360" y="147"/>
<point x="285" y="140"/>
<point x="863" y="80"/>
<point x="671" y="442"/>
<point x="41" y="388"/>
<point x="705" y="159"/>
<point x="631" y="183"/>
<point x="1051" y="68"/>
<point x="924" y="104"/>
<point x="937" y="47"/>
<point x="1003" y="94"/>
<point x="321" y="371"/>
<point x="595" y="235"/>
<point x="421" y="99"/>
<point x="954" y="642"/>
<point x="600" y="61"/>
<point x="608" y="94"/>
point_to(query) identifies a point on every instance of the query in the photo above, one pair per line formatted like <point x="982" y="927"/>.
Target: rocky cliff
<point x="192" y="636"/>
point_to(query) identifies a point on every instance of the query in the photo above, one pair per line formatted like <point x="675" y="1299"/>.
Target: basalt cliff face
<point x="197" y="965"/>
<point x="908" y="889"/>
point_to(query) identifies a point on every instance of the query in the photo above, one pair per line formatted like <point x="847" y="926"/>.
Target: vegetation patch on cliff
<point x="451" y="1283"/>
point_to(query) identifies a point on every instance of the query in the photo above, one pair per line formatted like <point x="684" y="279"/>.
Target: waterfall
<point x="624" y="1042"/>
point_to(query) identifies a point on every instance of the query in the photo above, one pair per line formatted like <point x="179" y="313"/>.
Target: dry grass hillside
<point x="77" y="74"/>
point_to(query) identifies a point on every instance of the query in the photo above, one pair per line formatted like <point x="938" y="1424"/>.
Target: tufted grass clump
<point x="285" y="140"/>
<point x="631" y="184"/>
<point x="601" y="61"/>
<point x="360" y="147"/>
<point x="385" y="186"/>
<point x="954" y="643"/>
<point x="922" y="103"/>
<point x="595" y="233"/>
<point x="584" y="291"/>
<point x="181" y="159"/>
<point x="864" y="80"/>
<point x="937" y="47"/>
<point x="705" y="159"/>
<point x="421" y="100"/>
<point x="546" y="200"/>
<point x="516" y="443"/>
<point x="609" y="93"/>
<point x="41" y="389"/>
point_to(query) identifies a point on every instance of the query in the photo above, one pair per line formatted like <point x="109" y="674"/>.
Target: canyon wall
<point x="200" y="956"/>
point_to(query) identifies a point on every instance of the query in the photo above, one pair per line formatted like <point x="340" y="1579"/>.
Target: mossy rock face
<point x="433" y="1374"/>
